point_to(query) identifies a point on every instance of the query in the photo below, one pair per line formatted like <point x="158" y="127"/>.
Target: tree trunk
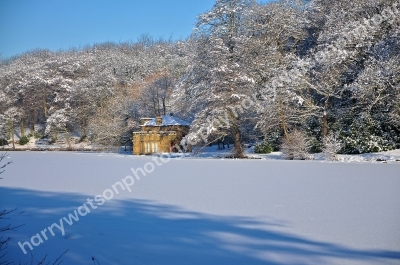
<point x="33" y="122"/>
<point x="83" y="128"/>
<point x="54" y="137"/>
<point x="285" y="132"/>
<point x="45" y="108"/>
<point x="325" y="119"/>
<point x="163" y="104"/>
<point x="237" y="137"/>
<point x="12" y="135"/>
<point x="22" y="127"/>
<point x="68" y="140"/>
<point x="239" y="153"/>
<point x="283" y="121"/>
<point x="324" y="125"/>
<point x="235" y="128"/>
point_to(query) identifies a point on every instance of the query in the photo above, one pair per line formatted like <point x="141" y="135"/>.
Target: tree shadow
<point x="146" y="232"/>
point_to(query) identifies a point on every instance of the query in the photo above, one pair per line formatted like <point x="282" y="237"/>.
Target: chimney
<point x="159" y="120"/>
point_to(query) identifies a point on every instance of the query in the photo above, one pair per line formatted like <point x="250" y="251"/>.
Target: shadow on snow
<point x="145" y="232"/>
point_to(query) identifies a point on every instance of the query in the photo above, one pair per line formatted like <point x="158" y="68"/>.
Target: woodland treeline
<point x="250" y="72"/>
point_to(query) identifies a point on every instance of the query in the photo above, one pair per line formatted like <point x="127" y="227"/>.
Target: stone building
<point x="159" y="135"/>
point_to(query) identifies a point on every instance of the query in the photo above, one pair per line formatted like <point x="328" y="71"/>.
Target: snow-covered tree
<point x="346" y="39"/>
<point x="276" y="33"/>
<point x="248" y="70"/>
<point x="218" y="82"/>
<point x="114" y="122"/>
<point x="155" y="97"/>
<point x="59" y="123"/>
<point x="8" y="120"/>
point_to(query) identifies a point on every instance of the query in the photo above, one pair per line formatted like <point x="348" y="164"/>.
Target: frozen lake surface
<point x="200" y="211"/>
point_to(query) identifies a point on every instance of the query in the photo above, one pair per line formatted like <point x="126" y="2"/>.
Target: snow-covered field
<point x="202" y="211"/>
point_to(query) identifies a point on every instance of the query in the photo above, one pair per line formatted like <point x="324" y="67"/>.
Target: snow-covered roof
<point x="167" y="121"/>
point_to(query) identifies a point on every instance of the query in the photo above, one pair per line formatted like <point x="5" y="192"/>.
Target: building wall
<point x="171" y="128"/>
<point x="153" y="139"/>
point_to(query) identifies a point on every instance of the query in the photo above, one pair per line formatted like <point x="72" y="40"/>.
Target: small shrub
<point x="83" y="138"/>
<point x="3" y="142"/>
<point x="315" y="145"/>
<point x="331" y="146"/>
<point x="296" y="147"/>
<point x="263" y="148"/>
<point x="37" y="135"/>
<point x="23" y="140"/>
<point x="273" y="139"/>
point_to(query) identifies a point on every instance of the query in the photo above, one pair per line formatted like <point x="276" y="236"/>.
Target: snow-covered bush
<point x="331" y="146"/>
<point x="3" y="134"/>
<point x="263" y="148"/>
<point x="3" y="142"/>
<point x="185" y="145"/>
<point x="273" y="139"/>
<point x="296" y="146"/>
<point x="366" y="144"/>
<point x="23" y="140"/>
<point x="315" y="145"/>
<point x="366" y="134"/>
<point x="38" y="133"/>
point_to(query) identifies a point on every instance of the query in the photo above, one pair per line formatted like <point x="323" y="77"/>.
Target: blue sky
<point x="61" y="24"/>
